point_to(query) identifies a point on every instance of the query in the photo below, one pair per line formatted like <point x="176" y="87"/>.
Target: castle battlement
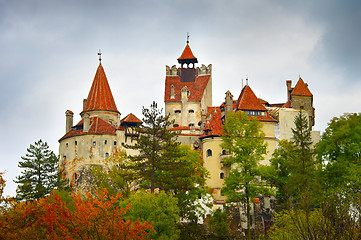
<point x="174" y="71"/>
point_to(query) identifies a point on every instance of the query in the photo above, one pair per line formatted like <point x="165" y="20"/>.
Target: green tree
<point x="293" y="167"/>
<point x="165" y="165"/>
<point x="339" y="151"/>
<point x="219" y="224"/>
<point x="154" y="141"/>
<point x="243" y="138"/>
<point x="160" y="210"/>
<point x="40" y="174"/>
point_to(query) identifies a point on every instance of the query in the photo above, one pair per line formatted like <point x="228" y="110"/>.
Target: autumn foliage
<point x="97" y="217"/>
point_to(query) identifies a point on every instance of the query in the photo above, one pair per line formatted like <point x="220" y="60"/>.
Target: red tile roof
<point x="97" y="126"/>
<point x="287" y="104"/>
<point x="130" y="118"/>
<point x="213" y="126"/>
<point x="196" y="88"/>
<point x="301" y="89"/>
<point x="182" y="128"/>
<point x="187" y="54"/>
<point x="247" y="100"/>
<point x="100" y="96"/>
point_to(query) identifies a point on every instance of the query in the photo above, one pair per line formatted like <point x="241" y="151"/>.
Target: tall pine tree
<point x="40" y="174"/>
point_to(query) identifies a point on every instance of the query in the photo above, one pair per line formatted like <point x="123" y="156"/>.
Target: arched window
<point x="106" y="155"/>
<point x="224" y="152"/>
<point x="209" y="152"/>
<point x="221" y="175"/>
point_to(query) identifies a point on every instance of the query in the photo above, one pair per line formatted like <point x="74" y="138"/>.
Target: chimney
<point x="86" y="123"/>
<point x="288" y="84"/>
<point x="84" y="103"/>
<point x="69" y="120"/>
<point x="228" y="103"/>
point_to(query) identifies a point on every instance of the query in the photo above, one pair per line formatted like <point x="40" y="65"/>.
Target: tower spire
<point x="100" y="57"/>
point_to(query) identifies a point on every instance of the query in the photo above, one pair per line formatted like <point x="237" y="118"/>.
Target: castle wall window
<point x="106" y="155"/>
<point x="209" y="153"/>
<point x="172" y="92"/>
<point x="176" y="125"/>
<point x="177" y="111"/>
<point x="191" y="125"/>
<point x="115" y="143"/>
<point x="224" y="152"/>
<point x="94" y="143"/>
<point x="221" y="175"/>
<point x="66" y="145"/>
<point x="76" y="143"/>
<point x="105" y="142"/>
<point x="191" y="111"/>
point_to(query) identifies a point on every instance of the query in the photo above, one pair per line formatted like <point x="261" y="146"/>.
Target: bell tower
<point x="187" y="61"/>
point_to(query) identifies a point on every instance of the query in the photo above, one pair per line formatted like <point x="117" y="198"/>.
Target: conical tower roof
<point x="247" y="100"/>
<point x="100" y="96"/>
<point x="301" y="89"/>
<point x="187" y="56"/>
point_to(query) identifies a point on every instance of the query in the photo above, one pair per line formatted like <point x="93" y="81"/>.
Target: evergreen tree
<point x="293" y="167"/>
<point x="243" y="138"/>
<point x="40" y="174"/>
<point x="165" y="165"/>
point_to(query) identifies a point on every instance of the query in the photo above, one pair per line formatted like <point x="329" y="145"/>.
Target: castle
<point x="188" y="101"/>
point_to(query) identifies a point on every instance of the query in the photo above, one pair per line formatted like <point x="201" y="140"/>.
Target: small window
<point x="191" y="125"/>
<point x="177" y="111"/>
<point x="224" y="152"/>
<point x="94" y="143"/>
<point x="176" y="125"/>
<point x="106" y="155"/>
<point x="209" y="152"/>
<point x="221" y="175"/>
<point x="115" y="143"/>
<point x="105" y="142"/>
<point x="191" y="111"/>
<point x="301" y="107"/>
<point x="66" y="145"/>
<point x="75" y="176"/>
<point x="76" y="143"/>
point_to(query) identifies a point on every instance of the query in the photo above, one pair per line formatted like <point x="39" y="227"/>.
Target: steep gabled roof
<point x="187" y="54"/>
<point x="97" y="126"/>
<point x="213" y="126"/>
<point x="301" y="89"/>
<point x="100" y="96"/>
<point x="130" y="118"/>
<point x="196" y="88"/>
<point x="247" y="100"/>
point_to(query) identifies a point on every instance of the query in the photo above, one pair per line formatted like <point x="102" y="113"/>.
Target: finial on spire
<point x="246" y="80"/>
<point x="187" y="37"/>
<point x="100" y="57"/>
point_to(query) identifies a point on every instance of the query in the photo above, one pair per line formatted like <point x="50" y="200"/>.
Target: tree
<point x="154" y="141"/>
<point x="219" y="224"/>
<point x="293" y="167"/>
<point x="40" y="174"/>
<point x="97" y="217"/>
<point x="160" y="210"/>
<point x="339" y="151"/>
<point x="165" y="165"/>
<point x="243" y="138"/>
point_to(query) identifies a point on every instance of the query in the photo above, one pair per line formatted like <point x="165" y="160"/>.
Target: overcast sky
<point x="49" y="57"/>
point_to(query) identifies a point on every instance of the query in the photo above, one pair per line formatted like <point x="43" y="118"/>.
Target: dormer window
<point x="172" y="92"/>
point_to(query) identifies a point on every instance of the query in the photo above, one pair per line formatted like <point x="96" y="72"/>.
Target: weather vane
<point x="187" y="37"/>
<point x="100" y="57"/>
